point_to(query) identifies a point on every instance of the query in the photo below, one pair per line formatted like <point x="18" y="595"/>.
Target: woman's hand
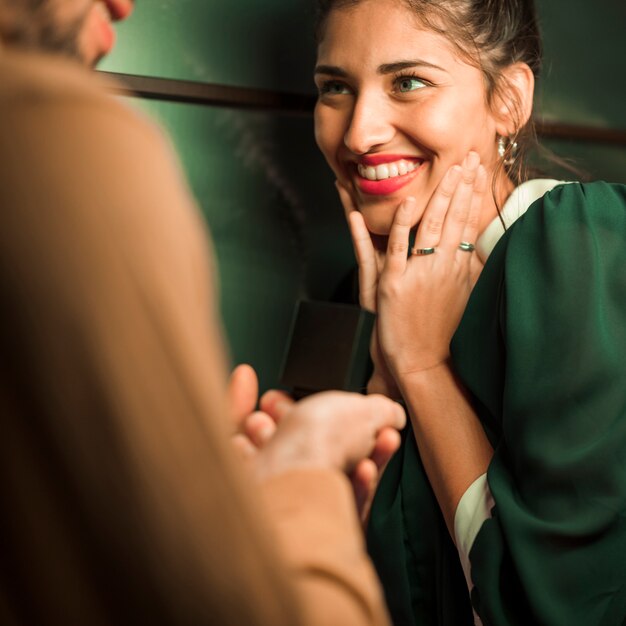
<point x="369" y="250"/>
<point x="421" y="298"/>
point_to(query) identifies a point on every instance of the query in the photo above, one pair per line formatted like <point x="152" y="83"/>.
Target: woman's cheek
<point x="323" y="132"/>
<point x="317" y="126"/>
<point x="328" y="135"/>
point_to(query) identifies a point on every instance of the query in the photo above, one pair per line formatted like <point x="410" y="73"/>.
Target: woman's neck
<point x="495" y="197"/>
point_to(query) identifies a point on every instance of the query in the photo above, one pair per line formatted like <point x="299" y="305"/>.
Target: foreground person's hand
<point x="252" y="428"/>
<point x="367" y="472"/>
<point x="331" y="430"/>
<point x="256" y="428"/>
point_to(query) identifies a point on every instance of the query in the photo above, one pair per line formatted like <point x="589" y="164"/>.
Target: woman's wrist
<point x="423" y="376"/>
<point x="385" y="385"/>
<point x="414" y="364"/>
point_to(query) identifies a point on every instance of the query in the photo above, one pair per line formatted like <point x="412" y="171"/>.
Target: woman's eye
<point x="334" y="88"/>
<point x="409" y="83"/>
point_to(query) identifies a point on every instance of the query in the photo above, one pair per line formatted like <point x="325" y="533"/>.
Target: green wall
<point x="264" y="189"/>
<point x="584" y="80"/>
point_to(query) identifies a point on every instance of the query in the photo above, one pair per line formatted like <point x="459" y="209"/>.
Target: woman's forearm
<point x="452" y="443"/>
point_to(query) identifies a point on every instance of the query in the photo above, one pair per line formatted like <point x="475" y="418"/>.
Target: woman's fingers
<point x="470" y="233"/>
<point x="363" y="249"/>
<point x="276" y="404"/>
<point x="367" y="473"/>
<point x="366" y="259"/>
<point x="387" y="443"/>
<point x="398" y="245"/>
<point x="458" y="214"/>
<point x="364" y="479"/>
<point x="431" y="226"/>
<point x="259" y="428"/>
<point x="346" y="198"/>
<point x="243" y="447"/>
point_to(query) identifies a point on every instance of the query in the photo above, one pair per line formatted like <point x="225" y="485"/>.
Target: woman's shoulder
<point x="576" y="202"/>
<point x="570" y="239"/>
<point x="545" y="213"/>
<point x="573" y="214"/>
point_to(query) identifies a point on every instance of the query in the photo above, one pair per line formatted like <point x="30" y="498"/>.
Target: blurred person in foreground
<point x="123" y="500"/>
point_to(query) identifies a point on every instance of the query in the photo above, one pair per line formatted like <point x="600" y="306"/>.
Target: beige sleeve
<point x="113" y="379"/>
<point x="322" y="541"/>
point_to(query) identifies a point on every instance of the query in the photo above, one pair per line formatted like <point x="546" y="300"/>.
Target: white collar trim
<point x="516" y="205"/>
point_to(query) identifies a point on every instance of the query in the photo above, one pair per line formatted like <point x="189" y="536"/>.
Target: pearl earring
<point x="504" y="144"/>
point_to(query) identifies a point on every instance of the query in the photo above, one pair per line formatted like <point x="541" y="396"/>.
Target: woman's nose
<point x="370" y="126"/>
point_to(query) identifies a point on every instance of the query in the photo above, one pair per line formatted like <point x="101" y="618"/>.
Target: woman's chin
<point x="379" y="219"/>
<point x="377" y="224"/>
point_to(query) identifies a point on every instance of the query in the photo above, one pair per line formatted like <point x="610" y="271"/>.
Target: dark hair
<point x="31" y="25"/>
<point x="490" y="34"/>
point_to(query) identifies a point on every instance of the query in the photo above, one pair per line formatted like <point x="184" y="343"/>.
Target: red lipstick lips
<point x="398" y="169"/>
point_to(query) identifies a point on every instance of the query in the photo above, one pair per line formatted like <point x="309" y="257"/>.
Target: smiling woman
<point x="375" y="84"/>
<point x="502" y="346"/>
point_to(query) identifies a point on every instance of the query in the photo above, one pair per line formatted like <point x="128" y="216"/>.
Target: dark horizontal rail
<point x="190" y="92"/>
<point x="576" y="132"/>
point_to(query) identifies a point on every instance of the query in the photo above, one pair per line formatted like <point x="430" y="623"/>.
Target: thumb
<point x="242" y="393"/>
<point x="385" y="412"/>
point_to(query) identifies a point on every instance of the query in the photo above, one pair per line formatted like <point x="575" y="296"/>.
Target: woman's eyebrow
<point x="385" y="68"/>
<point x="333" y="70"/>
<point x="398" y="66"/>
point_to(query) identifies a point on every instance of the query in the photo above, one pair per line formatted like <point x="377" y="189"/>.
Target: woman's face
<point x="397" y="108"/>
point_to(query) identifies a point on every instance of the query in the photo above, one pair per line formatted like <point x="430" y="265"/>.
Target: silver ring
<point x="466" y="246"/>
<point x="423" y="251"/>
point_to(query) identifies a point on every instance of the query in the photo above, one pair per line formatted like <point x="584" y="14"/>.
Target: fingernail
<point x="472" y="160"/>
<point x="454" y="171"/>
<point x="409" y="201"/>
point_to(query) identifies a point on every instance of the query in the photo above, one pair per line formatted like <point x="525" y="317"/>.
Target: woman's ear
<point x="513" y="101"/>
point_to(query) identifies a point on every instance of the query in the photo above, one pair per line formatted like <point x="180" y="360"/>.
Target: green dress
<point x="542" y="350"/>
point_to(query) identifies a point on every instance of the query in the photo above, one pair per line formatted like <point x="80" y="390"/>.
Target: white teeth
<point x="382" y="172"/>
<point x="387" y="170"/>
<point x="368" y="172"/>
